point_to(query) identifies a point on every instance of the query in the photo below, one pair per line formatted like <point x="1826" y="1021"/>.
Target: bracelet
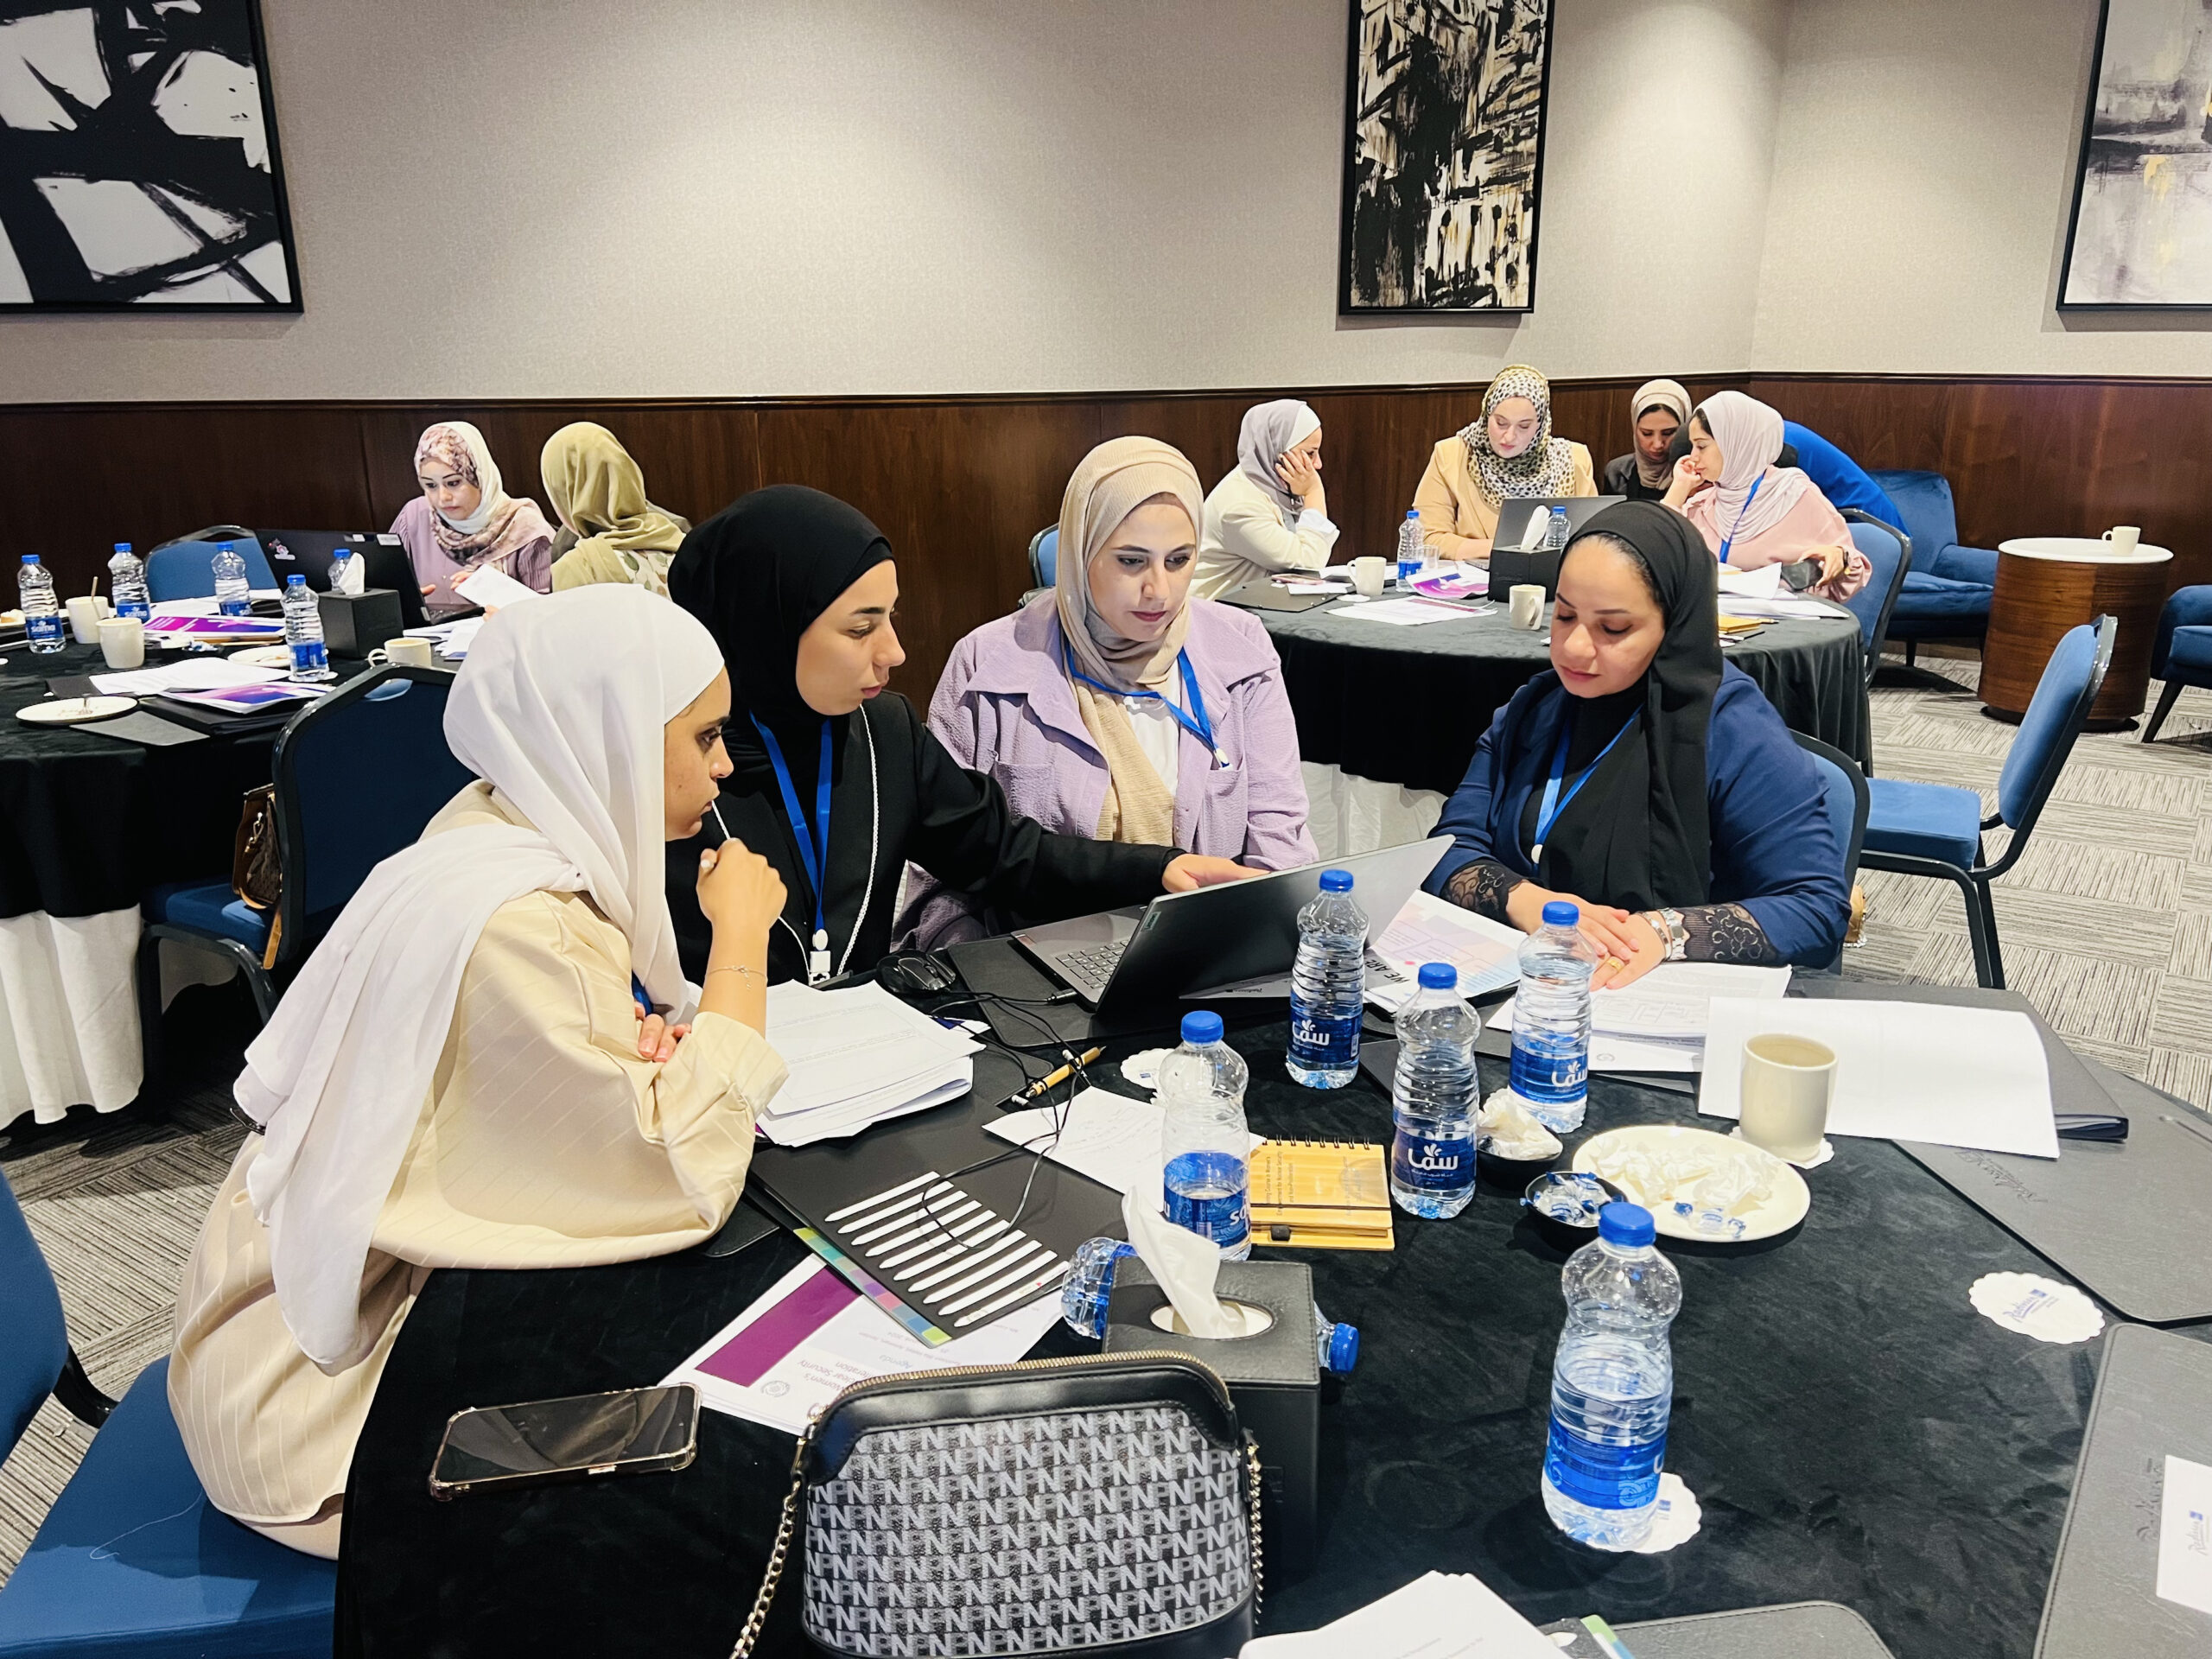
<point x="738" y="968"/>
<point x="1668" y="924"/>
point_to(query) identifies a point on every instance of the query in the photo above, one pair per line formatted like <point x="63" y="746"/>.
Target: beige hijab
<point x="1113" y="481"/>
<point x="597" y="490"/>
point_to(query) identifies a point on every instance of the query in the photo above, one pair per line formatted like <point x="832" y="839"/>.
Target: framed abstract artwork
<point x="2141" y="230"/>
<point x="138" y="163"/>
<point x="1443" y="152"/>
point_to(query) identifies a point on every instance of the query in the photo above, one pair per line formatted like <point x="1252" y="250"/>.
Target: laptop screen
<point x="309" y="553"/>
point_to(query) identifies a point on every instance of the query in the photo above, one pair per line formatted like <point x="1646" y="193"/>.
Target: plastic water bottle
<point x="1434" y="1099"/>
<point x="1328" y="985"/>
<point x="303" y="632"/>
<point x="1551" y="1020"/>
<point x="127" y="580"/>
<point x="42" y="613"/>
<point x="1337" y="1346"/>
<point x="1410" y="548"/>
<point x="1089" y="1283"/>
<point x="1555" y="531"/>
<point x="233" y="597"/>
<point x="1205" y="1154"/>
<point x="1612" y="1385"/>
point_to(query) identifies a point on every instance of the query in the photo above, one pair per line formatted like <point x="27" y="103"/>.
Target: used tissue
<point x="1185" y="1265"/>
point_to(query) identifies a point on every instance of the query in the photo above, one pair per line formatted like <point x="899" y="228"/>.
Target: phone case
<point x="659" y="1463"/>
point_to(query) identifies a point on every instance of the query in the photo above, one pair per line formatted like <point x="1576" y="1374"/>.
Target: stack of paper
<point x="452" y="638"/>
<point x="1659" y="1023"/>
<point x="1110" y="1138"/>
<point x="193" y="674"/>
<point x="1437" y="1615"/>
<point x="857" y="1057"/>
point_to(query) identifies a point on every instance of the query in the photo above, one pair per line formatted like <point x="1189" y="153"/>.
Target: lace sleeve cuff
<point x="1483" y="886"/>
<point x="1725" y="933"/>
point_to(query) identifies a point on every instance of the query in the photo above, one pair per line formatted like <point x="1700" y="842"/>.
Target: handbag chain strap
<point x="1252" y="1467"/>
<point x="776" y="1555"/>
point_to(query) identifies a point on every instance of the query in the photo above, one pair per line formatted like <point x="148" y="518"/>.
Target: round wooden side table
<point x="2049" y="584"/>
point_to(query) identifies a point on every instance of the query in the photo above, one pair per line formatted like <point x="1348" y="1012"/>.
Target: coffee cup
<point x="85" y="612"/>
<point x="404" y="651"/>
<point x="1369" y="573"/>
<point x="123" y="641"/>
<point x="1525" y="604"/>
<point x="1788" y="1082"/>
<point x="2123" y="538"/>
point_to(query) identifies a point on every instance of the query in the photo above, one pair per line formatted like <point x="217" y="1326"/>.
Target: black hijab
<point x="1639" y="835"/>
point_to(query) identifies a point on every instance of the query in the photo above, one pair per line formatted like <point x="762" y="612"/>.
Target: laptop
<point x="309" y="553"/>
<point x="1517" y="555"/>
<point x="1184" y="943"/>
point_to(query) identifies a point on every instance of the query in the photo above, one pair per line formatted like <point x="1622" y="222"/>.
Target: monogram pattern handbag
<point x="1105" y="1502"/>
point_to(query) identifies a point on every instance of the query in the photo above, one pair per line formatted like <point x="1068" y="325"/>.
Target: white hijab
<point x="1269" y="432"/>
<point x="560" y="706"/>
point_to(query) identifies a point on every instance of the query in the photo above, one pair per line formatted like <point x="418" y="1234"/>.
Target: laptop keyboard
<point x="1088" y="968"/>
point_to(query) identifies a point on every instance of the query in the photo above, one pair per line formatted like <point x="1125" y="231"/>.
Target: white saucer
<point x="264" y="657"/>
<point x="74" y="711"/>
<point x="1786" y="1201"/>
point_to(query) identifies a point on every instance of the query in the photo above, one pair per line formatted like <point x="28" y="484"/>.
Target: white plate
<point x="75" y="711"/>
<point x="1787" y="1200"/>
<point x="264" y="657"/>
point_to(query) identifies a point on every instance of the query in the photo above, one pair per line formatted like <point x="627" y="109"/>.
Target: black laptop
<point x="1513" y="564"/>
<point x="310" y="553"/>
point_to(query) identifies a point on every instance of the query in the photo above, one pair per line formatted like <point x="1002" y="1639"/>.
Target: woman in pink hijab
<point x="465" y="520"/>
<point x="1752" y="512"/>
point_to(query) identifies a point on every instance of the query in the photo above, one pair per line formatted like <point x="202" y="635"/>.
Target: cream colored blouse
<point x="1244" y="539"/>
<point x="544" y="1141"/>
<point x="1457" y="516"/>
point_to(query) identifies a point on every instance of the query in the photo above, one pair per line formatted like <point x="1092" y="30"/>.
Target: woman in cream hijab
<point x="1507" y="453"/>
<point x="1119" y="706"/>
<point x="1269" y="513"/>
<point x="1656" y="413"/>
<point x="598" y="493"/>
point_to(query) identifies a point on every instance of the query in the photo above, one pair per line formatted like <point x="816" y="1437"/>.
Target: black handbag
<point x="1108" y="1502"/>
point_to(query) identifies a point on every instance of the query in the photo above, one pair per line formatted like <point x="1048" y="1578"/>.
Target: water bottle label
<point x="309" y="654"/>
<point x="1206" y="1194"/>
<point x="137" y="607"/>
<point x="1428" y="1165"/>
<point x="1600" y="1476"/>
<point x="1324" y="1042"/>
<point x="1560" y="1077"/>
<point x="237" y="608"/>
<point x="43" y="630"/>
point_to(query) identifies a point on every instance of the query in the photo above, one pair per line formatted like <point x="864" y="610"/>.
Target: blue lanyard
<point x="1548" y="812"/>
<point x="1195" y="723"/>
<point x="638" y="993"/>
<point x="1728" y="541"/>
<point x="817" y="861"/>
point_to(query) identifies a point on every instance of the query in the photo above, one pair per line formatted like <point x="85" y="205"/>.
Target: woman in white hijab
<point x="458" y="1077"/>
<point x="1270" y="514"/>
<point x="1752" y="512"/>
<point x="464" y="520"/>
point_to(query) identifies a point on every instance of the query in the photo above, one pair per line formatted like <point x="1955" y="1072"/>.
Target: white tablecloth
<point x="1349" y="814"/>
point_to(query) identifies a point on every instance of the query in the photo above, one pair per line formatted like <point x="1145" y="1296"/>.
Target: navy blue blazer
<point x="1774" y="851"/>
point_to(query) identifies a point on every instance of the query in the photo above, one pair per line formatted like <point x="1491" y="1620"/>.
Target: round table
<point x="2047" y="585"/>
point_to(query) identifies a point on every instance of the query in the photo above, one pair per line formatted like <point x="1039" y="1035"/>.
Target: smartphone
<point x="1801" y="574"/>
<point x="633" y="1431"/>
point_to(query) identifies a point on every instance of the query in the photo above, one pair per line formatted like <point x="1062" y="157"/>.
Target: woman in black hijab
<point x="799" y="590"/>
<point x="1646" y="781"/>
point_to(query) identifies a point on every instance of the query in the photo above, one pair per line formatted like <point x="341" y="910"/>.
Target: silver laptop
<point x="1185" y="943"/>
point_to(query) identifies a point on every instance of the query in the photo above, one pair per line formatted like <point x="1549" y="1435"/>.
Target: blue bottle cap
<point x="1343" y="1349"/>
<point x="30" y="558"/>
<point x="1202" y="1026"/>
<point x="1335" y="881"/>
<point x="1412" y="512"/>
<point x="1625" y="1224"/>
<point x="1560" y="912"/>
<point x="1439" y="976"/>
<point x="296" y="580"/>
<point x="123" y="547"/>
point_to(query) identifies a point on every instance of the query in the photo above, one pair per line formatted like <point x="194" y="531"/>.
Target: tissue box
<point x="353" y="624"/>
<point x="1275" y="1378"/>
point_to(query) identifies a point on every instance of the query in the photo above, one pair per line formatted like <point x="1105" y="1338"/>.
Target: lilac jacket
<point x="1004" y="706"/>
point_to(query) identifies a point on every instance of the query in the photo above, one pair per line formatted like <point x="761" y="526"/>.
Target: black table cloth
<point x="1407" y="705"/>
<point x="1852" y="1428"/>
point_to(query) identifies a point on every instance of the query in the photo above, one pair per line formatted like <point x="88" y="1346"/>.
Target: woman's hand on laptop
<point x="1191" y="870"/>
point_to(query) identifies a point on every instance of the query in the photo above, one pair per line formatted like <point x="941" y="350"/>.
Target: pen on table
<point x="1054" y="1079"/>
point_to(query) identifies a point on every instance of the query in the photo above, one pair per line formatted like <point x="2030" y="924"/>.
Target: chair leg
<point x="1981" y="928"/>
<point x="265" y="992"/>
<point x="1911" y="652"/>
<point x="74" y="1392"/>
<point x="2167" y="698"/>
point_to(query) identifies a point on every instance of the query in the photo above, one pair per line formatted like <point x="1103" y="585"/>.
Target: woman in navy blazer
<point x="1644" y="779"/>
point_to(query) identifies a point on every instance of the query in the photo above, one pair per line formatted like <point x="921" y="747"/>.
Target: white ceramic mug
<point x="85" y="610"/>
<point x="1525" y="605"/>
<point x="123" y="641"/>
<point x="408" y="653"/>
<point x="1369" y="573"/>
<point x="1788" y="1083"/>
<point x="2123" y="538"/>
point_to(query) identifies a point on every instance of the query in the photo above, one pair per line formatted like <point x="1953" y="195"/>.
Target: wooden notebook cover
<point x="1338" y="1185"/>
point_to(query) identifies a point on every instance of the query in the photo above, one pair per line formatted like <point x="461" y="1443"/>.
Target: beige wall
<point x="556" y="198"/>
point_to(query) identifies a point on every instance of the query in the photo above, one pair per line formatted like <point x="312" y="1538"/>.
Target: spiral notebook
<point x="1321" y="1195"/>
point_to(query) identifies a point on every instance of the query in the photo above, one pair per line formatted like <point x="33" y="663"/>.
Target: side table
<point x="2049" y="584"/>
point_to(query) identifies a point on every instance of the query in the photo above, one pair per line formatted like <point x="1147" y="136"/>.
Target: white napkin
<point x="1183" y="1264"/>
<point x="352" y="579"/>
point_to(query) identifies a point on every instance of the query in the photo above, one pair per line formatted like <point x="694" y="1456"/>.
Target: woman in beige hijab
<point x="599" y="494"/>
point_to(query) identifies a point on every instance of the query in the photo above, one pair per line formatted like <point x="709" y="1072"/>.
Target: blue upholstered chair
<point x="1045" y="556"/>
<point x="1846" y="787"/>
<point x="185" y="568"/>
<point x="2183" y="655"/>
<point x="1947" y="592"/>
<point x="1847" y="486"/>
<point x="1935" y="830"/>
<point x="132" y="1560"/>
<point x="1889" y="549"/>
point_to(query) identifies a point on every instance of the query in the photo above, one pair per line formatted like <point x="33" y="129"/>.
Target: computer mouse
<point x="913" y="974"/>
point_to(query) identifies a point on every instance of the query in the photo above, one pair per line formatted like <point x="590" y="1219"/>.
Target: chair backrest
<point x="358" y="774"/>
<point x="1843" y="480"/>
<point x="2070" y="682"/>
<point x="1923" y="500"/>
<point x="1889" y="549"/>
<point x="34" y="1342"/>
<point x="185" y="569"/>
<point x="1045" y="556"/>
<point x="1849" y="797"/>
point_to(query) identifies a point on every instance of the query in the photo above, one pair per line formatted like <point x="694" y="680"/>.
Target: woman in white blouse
<point x="1271" y="514"/>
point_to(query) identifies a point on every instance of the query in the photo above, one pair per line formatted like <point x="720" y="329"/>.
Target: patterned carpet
<point x="2107" y="925"/>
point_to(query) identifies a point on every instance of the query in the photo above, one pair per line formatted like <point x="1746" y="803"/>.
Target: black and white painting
<point x="1444" y="155"/>
<point x="2142" y="228"/>
<point x="138" y="162"/>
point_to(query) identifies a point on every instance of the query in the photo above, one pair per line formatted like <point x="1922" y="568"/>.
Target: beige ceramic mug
<point x="1525" y="605"/>
<point x="123" y="641"/>
<point x="1369" y="573"/>
<point x="85" y="610"/>
<point x="2123" y="538"/>
<point x="1788" y="1083"/>
<point x="408" y="654"/>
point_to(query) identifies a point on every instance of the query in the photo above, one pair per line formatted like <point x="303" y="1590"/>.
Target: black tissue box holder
<point x="353" y="624"/>
<point x="1275" y="1380"/>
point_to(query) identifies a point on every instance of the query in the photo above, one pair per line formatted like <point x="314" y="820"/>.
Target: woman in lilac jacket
<point x="1117" y="705"/>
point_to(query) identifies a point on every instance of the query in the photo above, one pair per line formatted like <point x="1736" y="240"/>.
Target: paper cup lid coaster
<point x="1143" y="1069"/>
<point x="2036" y="1307"/>
<point x="1676" y="1522"/>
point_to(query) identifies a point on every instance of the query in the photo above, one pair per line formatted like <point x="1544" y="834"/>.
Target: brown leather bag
<point x="256" y="874"/>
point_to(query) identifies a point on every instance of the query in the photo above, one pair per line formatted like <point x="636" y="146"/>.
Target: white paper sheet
<point x="1437" y="1615"/>
<point x="1668" y="1006"/>
<point x="1816" y="610"/>
<point x="1972" y="1078"/>
<point x="848" y="1340"/>
<point x="857" y="1056"/>
<point x="193" y="674"/>
<point x="2185" y="1535"/>
<point x="489" y="587"/>
<point x="1110" y="1138"/>
<point x="1409" y="612"/>
<point x="1765" y="582"/>
<point x="1430" y="929"/>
